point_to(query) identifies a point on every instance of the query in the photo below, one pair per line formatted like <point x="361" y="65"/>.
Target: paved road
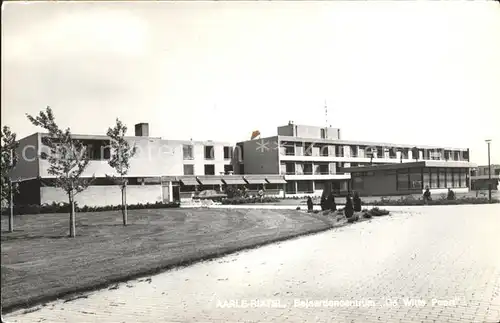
<point x="423" y="264"/>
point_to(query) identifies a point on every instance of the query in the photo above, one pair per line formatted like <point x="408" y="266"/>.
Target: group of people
<point x="427" y="195"/>
<point x="352" y="204"/>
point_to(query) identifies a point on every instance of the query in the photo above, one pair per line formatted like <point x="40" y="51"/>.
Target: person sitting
<point x="451" y="195"/>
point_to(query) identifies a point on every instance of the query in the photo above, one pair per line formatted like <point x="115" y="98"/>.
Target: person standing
<point x="348" y="210"/>
<point x="333" y="205"/>
<point x="427" y="195"/>
<point x="356" y="201"/>
<point x="309" y="204"/>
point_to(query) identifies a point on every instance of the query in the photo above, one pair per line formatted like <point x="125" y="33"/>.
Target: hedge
<point x="65" y="208"/>
<point x="412" y="201"/>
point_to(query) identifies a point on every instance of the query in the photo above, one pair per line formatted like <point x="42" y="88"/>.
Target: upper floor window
<point x="188" y="169"/>
<point x="323" y="133"/>
<point x="209" y="152"/>
<point x="187" y="151"/>
<point x="228" y="152"/>
<point x="240" y="151"/>
<point x="380" y="152"/>
<point x="466" y="155"/>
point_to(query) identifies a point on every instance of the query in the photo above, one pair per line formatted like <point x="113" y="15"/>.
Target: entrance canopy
<point x="189" y="181"/>
<point x="233" y="180"/>
<point x="256" y="180"/>
<point x="210" y="181"/>
<point x="275" y="180"/>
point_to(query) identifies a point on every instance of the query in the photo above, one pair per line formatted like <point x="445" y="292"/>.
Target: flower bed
<point x="249" y="200"/>
<point x="65" y="208"/>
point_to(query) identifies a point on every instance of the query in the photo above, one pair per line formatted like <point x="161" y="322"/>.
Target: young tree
<point x="67" y="159"/>
<point x="121" y="153"/>
<point x="9" y="160"/>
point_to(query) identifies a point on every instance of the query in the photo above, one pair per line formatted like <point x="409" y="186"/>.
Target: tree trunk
<point x="124" y="204"/>
<point x="72" y="226"/>
<point x="11" y="206"/>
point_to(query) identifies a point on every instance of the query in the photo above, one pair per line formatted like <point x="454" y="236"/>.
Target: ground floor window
<point x="449" y="178"/>
<point x="403" y="179"/>
<point x="290" y="187"/>
<point x="304" y="187"/>
<point x="415" y="177"/>
<point x="463" y="177"/>
<point x="358" y="184"/>
<point x="446" y="177"/>
<point x="274" y="186"/>
<point x="434" y="177"/>
<point x="426" y="177"/>
<point x="442" y="178"/>
<point x="319" y="185"/>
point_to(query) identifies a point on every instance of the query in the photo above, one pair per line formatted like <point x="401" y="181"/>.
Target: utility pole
<point x="488" y="141"/>
<point x="11" y="196"/>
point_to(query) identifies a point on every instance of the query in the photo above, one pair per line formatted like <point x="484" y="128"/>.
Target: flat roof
<point x="424" y="163"/>
<point x="104" y="137"/>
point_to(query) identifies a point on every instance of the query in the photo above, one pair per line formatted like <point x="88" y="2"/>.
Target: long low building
<point x="410" y="178"/>
<point x="300" y="160"/>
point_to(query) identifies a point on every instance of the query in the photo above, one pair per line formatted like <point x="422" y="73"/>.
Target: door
<point x="176" y="193"/>
<point x="166" y="193"/>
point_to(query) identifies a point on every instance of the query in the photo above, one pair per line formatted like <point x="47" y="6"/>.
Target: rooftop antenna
<point x="326" y="120"/>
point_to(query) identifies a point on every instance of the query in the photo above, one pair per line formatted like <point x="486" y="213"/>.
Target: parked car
<point x="210" y="195"/>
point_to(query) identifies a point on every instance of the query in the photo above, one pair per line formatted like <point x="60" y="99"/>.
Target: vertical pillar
<point x="313" y="186"/>
<point x="296" y="186"/>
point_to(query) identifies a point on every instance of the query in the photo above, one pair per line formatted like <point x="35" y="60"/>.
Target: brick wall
<point x="105" y="195"/>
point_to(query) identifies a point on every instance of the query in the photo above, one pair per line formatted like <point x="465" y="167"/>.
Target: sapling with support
<point x="67" y="160"/>
<point x="8" y="163"/>
<point x="121" y="153"/>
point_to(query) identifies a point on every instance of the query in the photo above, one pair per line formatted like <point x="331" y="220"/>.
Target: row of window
<point x="209" y="169"/>
<point x="374" y="152"/>
<point x="100" y="150"/>
<point x="105" y="181"/>
<point x="251" y="187"/>
<point x="432" y="178"/>
<point x="188" y="152"/>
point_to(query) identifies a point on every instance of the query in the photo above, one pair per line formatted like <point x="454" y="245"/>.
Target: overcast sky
<point x="404" y="72"/>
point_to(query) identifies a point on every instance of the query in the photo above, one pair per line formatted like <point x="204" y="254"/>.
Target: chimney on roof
<point x="142" y="130"/>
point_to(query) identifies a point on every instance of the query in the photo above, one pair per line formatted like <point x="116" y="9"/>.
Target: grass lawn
<point x="40" y="263"/>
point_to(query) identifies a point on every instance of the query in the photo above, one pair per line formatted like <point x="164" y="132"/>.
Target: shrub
<point x="65" y="208"/>
<point x="377" y="212"/>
